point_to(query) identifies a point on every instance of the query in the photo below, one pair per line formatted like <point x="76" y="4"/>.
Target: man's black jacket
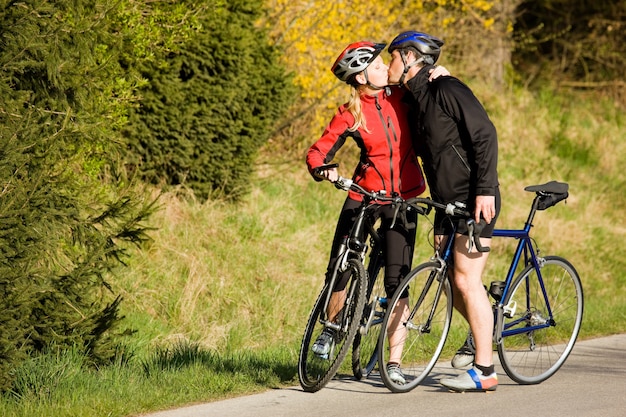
<point x="454" y="137"/>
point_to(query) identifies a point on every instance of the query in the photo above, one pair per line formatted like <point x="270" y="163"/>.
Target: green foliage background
<point x="105" y="105"/>
<point x="195" y="87"/>
<point x="66" y="213"/>
<point x="210" y="106"/>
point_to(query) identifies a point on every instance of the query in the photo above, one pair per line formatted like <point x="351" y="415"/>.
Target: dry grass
<point x="227" y="275"/>
<point x="237" y="276"/>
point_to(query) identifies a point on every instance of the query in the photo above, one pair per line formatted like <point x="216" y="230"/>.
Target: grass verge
<point x="216" y="303"/>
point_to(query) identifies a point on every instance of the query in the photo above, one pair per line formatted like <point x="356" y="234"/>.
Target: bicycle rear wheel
<point x="315" y="371"/>
<point x="422" y="329"/>
<point x="530" y="357"/>
<point x="364" y="347"/>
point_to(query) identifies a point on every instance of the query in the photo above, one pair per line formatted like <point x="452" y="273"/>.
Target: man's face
<point x="396" y="67"/>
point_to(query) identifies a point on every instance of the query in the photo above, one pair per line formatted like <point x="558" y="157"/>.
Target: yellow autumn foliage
<point x="313" y="33"/>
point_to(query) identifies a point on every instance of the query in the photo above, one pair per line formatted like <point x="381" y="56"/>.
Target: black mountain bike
<point x="360" y="316"/>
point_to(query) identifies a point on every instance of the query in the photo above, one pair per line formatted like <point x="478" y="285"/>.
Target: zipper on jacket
<point x="389" y="143"/>
<point x="461" y="158"/>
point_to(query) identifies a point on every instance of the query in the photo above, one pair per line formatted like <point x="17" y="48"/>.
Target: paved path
<point x="592" y="382"/>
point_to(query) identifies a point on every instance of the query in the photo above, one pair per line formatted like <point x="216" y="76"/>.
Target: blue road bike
<point x="538" y="307"/>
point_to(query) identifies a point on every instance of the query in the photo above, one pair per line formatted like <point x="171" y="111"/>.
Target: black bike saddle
<point x="552" y="187"/>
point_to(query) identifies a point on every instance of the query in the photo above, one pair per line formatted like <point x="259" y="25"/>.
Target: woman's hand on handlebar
<point x="327" y="172"/>
<point x="330" y="174"/>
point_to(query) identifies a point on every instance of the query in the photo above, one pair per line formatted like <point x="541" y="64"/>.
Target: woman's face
<point x="377" y="72"/>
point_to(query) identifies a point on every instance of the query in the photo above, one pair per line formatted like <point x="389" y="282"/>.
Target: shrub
<point x="210" y="106"/>
<point x="64" y="215"/>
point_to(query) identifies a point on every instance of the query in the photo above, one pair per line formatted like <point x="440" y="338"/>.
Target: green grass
<point x="216" y="304"/>
<point x="59" y="385"/>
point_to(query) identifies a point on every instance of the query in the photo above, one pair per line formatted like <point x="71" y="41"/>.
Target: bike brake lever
<point x="343" y="184"/>
<point x="470" y="235"/>
<point x="409" y="225"/>
<point x="395" y="215"/>
<point x="473" y="234"/>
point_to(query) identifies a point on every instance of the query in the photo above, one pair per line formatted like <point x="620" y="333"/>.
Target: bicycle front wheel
<point x="314" y="371"/>
<point x="552" y="308"/>
<point x="364" y="348"/>
<point x="416" y="333"/>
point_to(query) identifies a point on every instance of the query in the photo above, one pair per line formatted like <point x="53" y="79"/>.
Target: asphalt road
<point x="592" y="382"/>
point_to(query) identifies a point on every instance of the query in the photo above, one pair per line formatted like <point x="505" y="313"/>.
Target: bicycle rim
<point x="424" y="333"/>
<point x="534" y="356"/>
<point x="364" y="348"/>
<point x="315" y="371"/>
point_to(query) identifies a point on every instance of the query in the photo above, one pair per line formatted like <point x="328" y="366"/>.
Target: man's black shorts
<point x="444" y="222"/>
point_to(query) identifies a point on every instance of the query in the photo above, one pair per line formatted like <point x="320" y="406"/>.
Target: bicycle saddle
<point x="552" y="187"/>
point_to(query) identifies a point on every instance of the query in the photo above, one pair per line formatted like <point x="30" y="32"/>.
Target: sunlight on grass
<point x="241" y="279"/>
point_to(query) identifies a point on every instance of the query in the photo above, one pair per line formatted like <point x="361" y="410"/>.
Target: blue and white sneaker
<point x="472" y="380"/>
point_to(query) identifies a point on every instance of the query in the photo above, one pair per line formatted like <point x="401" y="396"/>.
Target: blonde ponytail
<point x="354" y="107"/>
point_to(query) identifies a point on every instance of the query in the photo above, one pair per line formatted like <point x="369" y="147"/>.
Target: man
<point x="459" y="148"/>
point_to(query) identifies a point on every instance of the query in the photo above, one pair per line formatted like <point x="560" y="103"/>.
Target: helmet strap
<point x="407" y="67"/>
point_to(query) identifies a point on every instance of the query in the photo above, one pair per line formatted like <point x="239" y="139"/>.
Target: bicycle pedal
<point x="509" y="310"/>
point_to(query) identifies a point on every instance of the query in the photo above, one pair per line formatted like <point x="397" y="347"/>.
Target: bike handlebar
<point x="453" y="209"/>
<point x="398" y="202"/>
<point x="347" y="184"/>
<point x="422" y="206"/>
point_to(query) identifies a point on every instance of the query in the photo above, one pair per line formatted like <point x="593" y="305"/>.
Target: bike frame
<point x="443" y="260"/>
<point x="355" y="246"/>
<point x="526" y="252"/>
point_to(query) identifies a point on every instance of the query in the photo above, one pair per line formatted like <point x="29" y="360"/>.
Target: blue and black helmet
<point x="427" y="46"/>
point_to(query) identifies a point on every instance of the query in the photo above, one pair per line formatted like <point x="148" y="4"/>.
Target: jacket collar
<point x="381" y="96"/>
<point x="419" y="84"/>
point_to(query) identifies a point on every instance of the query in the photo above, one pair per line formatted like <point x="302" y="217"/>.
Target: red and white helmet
<point x="356" y="58"/>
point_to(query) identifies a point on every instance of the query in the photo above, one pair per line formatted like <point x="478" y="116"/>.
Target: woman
<point x="375" y="117"/>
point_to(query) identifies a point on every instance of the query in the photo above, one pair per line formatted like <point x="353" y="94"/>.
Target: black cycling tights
<point x="398" y="243"/>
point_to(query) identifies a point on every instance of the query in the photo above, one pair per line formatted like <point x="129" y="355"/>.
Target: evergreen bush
<point x="210" y="106"/>
<point x="65" y="217"/>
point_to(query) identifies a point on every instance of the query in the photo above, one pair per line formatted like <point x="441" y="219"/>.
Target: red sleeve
<point x="334" y="136"/>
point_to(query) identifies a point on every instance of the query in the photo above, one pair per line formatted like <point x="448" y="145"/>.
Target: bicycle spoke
<point x="532" y="356"/>
<point x="421" y="334"/>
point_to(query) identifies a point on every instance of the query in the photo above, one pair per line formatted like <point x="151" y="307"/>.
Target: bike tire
<point x="532" y="357"/>
<point x="314" y="372"/>
<point x="365" y="345"/>
<point x="430" y="306"/>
